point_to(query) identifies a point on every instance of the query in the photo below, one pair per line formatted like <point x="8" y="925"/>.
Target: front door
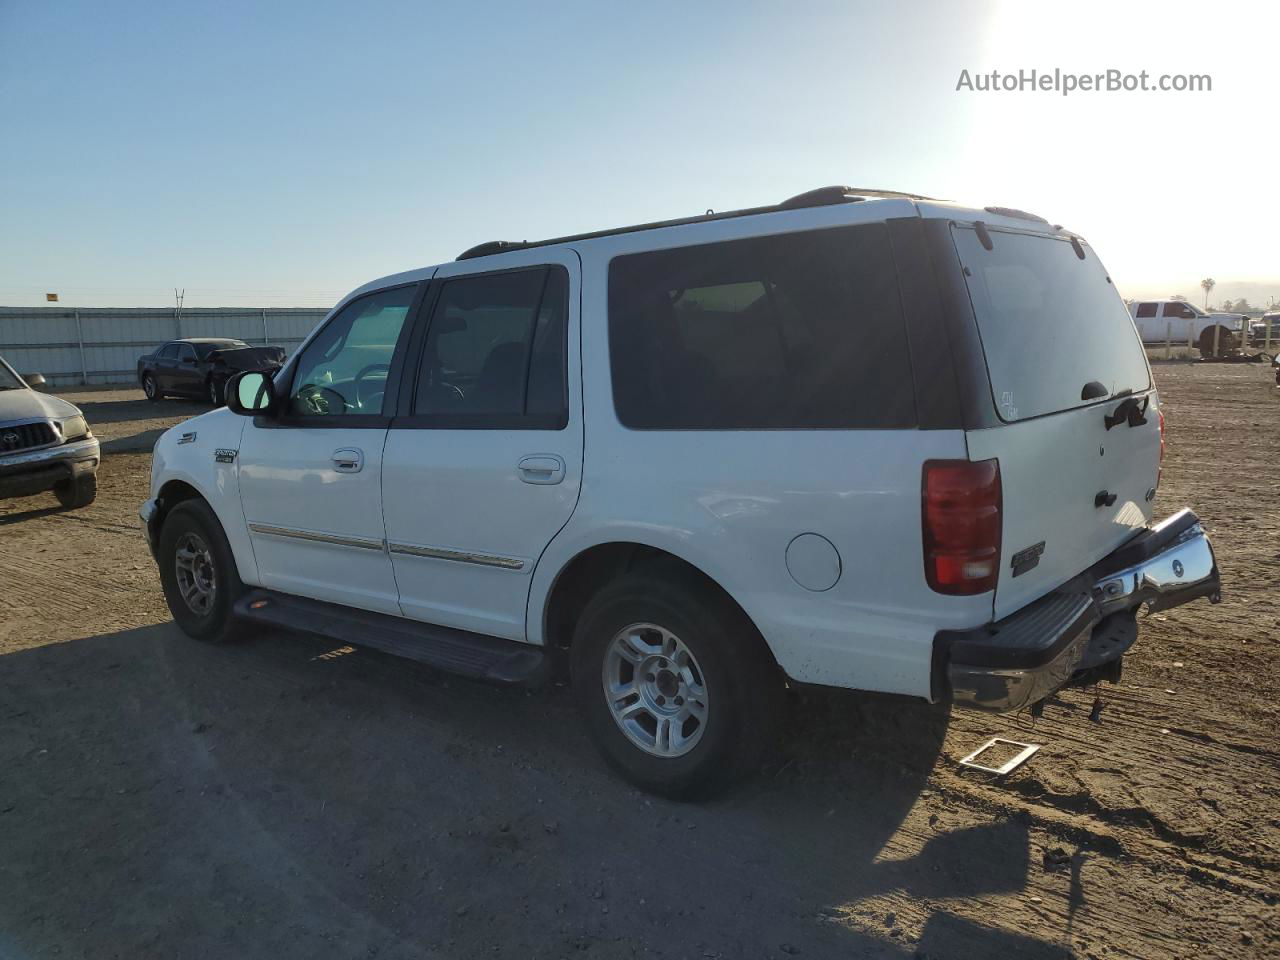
<point x="311" y="479"/>
<point x="483" y="464"/>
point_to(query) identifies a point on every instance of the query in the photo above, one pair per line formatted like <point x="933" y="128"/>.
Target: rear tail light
<point x="1160" y="467"/>
<point x="961" y="517"/>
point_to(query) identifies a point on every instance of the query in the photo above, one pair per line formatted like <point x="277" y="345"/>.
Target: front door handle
<point x="348" y="460"/>
<point x="542" y="468"/>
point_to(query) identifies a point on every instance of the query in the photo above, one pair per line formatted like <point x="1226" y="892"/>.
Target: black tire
<point x="216" y="623"/>
<point x="151" y="388"/>
<point x="743" y="687"/>
<point x="77" y="493"/>
<point x="1226" y="341"/>
<point x="215" y="392"/>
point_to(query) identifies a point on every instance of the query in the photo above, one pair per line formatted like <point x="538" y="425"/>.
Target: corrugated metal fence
<point x="102" y="344"/>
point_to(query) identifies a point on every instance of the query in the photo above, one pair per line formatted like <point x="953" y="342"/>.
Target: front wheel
<point x="1226" y="341"/>
<point x="150" y="389"/>
<point x="198" y="572"/>
<point x="215" y="392"/>
<point x="675" y="685"/>
<point x="77" y="493"/>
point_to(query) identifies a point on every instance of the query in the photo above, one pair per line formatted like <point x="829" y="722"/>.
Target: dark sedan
<point x="200" y="367"/>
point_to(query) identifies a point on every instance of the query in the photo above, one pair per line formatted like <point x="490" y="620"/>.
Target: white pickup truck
<point x="1180" y="321"/>
<point x="855" y="439"/>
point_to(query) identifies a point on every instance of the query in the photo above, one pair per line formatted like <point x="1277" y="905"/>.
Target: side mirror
<point x="251" y="394"/>
<point x="35" y="381"/>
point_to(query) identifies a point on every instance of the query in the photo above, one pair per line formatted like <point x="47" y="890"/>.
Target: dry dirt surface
<point x="275" y="799"/>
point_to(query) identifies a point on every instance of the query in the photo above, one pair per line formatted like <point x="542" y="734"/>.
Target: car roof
<point x="896" y="204"/>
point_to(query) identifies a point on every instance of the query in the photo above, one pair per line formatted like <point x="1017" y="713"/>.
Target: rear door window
<point x="1146" y="310"/>
<point x="1050" y="323"/>
<point x="795" y="331"/>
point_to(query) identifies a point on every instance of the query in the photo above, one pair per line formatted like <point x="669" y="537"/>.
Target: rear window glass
<point x="800" y="331"/>
<point x="1050" y="323"/>
<point x="1146" y="310"/>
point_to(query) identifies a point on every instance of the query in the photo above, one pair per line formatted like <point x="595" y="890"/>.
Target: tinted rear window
<point x="801" y="331"/>
<point x="1050" y="323"/>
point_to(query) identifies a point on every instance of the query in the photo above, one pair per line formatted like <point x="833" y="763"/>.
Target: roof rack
<point x="823" y="196"/>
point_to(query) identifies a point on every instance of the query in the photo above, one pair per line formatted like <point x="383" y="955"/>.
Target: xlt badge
<point x="1026" y="559"/>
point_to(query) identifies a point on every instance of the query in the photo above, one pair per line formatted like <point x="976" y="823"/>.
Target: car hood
<point x="29" y="405"/>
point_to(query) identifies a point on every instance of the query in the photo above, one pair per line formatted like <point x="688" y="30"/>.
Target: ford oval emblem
<point x="1178" y="568"/>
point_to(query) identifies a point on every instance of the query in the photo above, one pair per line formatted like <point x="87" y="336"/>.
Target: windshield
<point x="1050" y="324"/>
<point x="8" y="379"/>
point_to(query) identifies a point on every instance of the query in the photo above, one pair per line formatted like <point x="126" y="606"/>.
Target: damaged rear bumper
<point x="1079" y="632"/>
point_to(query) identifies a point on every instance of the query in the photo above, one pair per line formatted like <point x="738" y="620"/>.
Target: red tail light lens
<point x="961" y="517"/>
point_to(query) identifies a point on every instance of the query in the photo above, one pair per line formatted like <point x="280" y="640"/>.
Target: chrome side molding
<point x="361" y="543"/>
<point x="460" y="556"/>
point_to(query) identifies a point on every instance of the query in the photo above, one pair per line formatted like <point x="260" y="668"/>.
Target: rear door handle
<point x="348" y="460"/>
<point x="542" y="468"/>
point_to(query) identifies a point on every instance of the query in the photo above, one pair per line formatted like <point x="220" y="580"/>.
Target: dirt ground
<point x="160" y="798"/>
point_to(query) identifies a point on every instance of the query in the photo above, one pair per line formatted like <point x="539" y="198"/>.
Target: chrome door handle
<point x="348" y="460"/>
<point x="542" y="468"/>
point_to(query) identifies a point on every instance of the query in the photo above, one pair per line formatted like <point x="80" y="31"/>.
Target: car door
<point x="484" y="460"/>
<point x="185" y="374"/>
<point x="311" y="477"/>
<point x="1178" y="319"/>
<point x="166" y="359"/>
<point x="1145" y="320"/>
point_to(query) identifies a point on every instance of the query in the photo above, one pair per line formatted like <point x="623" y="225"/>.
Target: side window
<point x="168" y="352"/>
<point x="795" y="331"/>
<point x="495" y="351"/>
<point x="1177" y="310"/>
<point x="344" y="369"/>
<point x="186" y="352"/>
<point x="1146" y="310"/>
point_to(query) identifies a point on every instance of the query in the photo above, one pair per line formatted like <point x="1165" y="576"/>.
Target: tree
<point x="1207" y="284"/>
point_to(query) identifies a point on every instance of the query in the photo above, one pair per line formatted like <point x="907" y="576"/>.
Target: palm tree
<point x="1207" y="284"/>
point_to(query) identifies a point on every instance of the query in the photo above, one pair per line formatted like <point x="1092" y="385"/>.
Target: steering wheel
<point x="376" y="393"/>
<point x="321" y="401"/>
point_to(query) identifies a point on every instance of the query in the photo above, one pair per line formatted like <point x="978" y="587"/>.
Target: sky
<point x="281" y="154"/>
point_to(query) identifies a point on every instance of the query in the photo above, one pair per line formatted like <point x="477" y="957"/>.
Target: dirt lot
<point x="159" y="798"/>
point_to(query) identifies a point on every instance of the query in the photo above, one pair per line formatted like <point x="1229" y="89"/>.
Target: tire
<point x="1226" y="341"/>
<point x="728" y="674"/>
<point x="215" y="392"/>
<point x="151" y="388"/>
<point x="77" y="493"/>
<point x="209" y="573"/>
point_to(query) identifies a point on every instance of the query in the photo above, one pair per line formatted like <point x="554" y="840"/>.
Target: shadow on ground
<point x="160" y="797"/>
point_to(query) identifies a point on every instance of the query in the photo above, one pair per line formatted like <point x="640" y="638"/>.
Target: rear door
<point x="165" y="362"/>
<point x="1145" y="319"/>
<point x="483" y="465"/>
<point x="185" y="374"/>
<point x="1063" y="360"/>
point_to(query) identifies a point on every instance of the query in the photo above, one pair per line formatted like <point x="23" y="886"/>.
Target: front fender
<point x="203" y="453"/>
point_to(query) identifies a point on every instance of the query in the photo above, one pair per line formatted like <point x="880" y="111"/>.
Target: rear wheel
<point x="77" y="493"/>
<point x="150" y="388"/>
<point x="198" y="572"/>
<point x="675" y="684"/>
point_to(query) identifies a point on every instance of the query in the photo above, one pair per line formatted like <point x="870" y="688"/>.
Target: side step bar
<point x="471" y="655"/>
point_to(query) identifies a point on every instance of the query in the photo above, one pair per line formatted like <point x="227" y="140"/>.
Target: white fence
<point x="102" y="344"/>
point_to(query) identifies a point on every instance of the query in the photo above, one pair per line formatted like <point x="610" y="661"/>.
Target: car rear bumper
<point x="25" y="474"/>
<point x="1082" y="629"/>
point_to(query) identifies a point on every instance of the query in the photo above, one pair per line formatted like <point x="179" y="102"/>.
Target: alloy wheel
<point x="656" y="692"/>
<point x="197" y="579"/>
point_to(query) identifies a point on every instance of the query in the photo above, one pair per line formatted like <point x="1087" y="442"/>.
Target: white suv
<point x="856" y="439"/>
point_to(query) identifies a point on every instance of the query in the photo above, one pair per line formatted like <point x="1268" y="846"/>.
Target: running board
<point x="471" y="655"/>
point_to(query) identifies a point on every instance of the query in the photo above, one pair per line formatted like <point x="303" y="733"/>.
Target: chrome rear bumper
<point x="1018" y="661"/>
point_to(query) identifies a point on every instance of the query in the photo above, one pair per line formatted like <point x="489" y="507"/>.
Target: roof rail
<point x="823" y="196"/>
